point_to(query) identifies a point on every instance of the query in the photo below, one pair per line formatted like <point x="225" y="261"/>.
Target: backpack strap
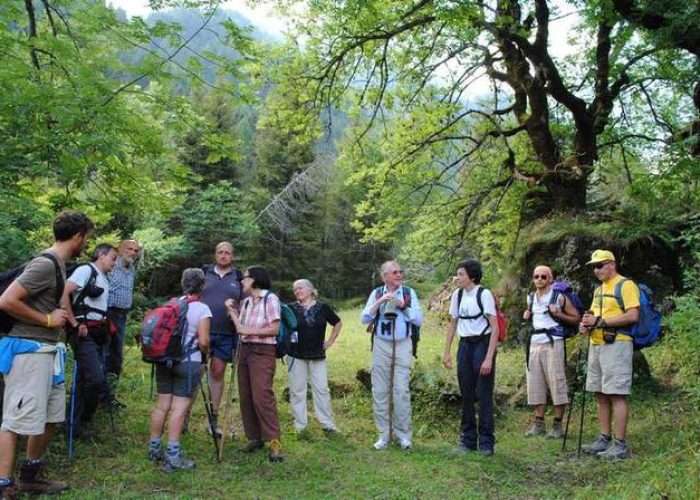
<point x="60" y="281"/>
<point x="479" y="292"/>
<point x="618" y="293"/>
<point x="239" y="277"/>
<point x="79" y="301"/>
<point x="377" y="296"/>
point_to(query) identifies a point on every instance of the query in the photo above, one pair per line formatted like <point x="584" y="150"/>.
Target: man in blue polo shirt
<point x="222" y="282"/>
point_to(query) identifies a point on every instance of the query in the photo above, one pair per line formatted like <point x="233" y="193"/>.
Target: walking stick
<point x="71" y="420"/>
<point x="392" y="368"/>
<point x="229" y="402"/>
<point x="210" y="412"/>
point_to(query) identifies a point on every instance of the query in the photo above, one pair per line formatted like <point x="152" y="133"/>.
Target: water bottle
<point x="295" y="336"/>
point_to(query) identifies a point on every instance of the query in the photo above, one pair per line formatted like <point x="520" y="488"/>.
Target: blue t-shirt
<point x="217" y="289"/>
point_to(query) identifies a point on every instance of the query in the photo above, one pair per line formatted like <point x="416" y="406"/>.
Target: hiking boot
<point x="537" y="429"/>
<point x="176" y="463"/>
<point x="381" y="444"/>
<point x="330" y="431"/>
<point x="556" y="433"/>
<point x="32" y="479"/>
<point x="276" y="451"/>
<point x="156" y="456"/>
<point x="253" y="445"/>
<point x="600" y="444"/>
<point x="616" y="451"/>
<point x="9" y="492"/>
<point x="487" y="452"/>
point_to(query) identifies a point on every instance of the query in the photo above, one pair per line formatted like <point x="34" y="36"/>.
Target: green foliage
<point x="684" y="340"/>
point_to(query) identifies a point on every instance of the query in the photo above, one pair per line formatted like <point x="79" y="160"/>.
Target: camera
<point x="390" y="310"/>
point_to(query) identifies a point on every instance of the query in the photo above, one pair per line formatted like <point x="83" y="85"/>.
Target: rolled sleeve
<point x="366" y="317"/>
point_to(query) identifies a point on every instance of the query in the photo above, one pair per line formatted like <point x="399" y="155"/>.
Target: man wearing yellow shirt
<point x="609" y="372"/>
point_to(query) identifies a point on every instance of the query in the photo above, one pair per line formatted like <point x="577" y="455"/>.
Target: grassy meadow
<point x="663" y="436"/>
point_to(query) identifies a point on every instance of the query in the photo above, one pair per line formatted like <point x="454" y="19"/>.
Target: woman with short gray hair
<point x="307" y="356"/>
<point x="178" y="384"/>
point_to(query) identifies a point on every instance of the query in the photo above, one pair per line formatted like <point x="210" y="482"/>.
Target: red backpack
<point x="500" y="317"/>
<point x="163" y="330"/>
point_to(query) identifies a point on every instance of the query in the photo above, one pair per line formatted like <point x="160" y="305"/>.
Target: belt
<point x="474" y="339"/>
<point x="118" y="309"/>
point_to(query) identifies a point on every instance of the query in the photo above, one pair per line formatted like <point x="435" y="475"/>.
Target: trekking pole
<point x="229" y="402"/>
<point x="583" y="404"/>
<point x="577" y="384"/>
<point x="71" y="419"/>
<point x="210" y="411"/>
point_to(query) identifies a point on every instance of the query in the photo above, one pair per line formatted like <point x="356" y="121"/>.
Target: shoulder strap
<point x="459" y="298"/>
<point x="60" y="282"/>
<point x="406" y="296"/>
<point x="618" y="293"/>
<point x="239" y="277"/>
<point x="90" y="281"/>
<point x="478" y="299"/>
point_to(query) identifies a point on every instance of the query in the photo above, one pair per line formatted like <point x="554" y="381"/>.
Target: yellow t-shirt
<point x="607" y="306"/>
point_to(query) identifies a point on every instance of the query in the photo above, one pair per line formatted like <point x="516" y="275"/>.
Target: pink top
<point x="260" y="313"/>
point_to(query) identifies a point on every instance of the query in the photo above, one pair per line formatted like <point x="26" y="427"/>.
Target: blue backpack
<point x="647" y="330"/>
<point x="562" y="288"/>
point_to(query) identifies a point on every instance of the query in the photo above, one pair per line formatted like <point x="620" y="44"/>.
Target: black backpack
<point x="6" y="278"/>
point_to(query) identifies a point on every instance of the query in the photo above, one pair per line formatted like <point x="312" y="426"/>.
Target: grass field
<point x="663" y="436"/>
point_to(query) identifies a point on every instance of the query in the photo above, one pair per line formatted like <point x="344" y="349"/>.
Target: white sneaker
<point x="405" y="444"/>
<point x="381" y="444"/>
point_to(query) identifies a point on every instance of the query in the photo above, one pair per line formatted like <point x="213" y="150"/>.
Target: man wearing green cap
<point x="609" y="373"/>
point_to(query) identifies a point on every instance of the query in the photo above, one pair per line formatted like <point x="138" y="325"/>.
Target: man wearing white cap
<point x="609" y="373"/>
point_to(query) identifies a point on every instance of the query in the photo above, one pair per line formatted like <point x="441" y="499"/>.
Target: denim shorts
<point x="181" y="380"/>
<point x="222" y="346"/>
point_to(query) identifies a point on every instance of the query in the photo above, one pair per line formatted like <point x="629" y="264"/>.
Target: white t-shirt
<point x="541" y="317"/>
<point x="470" y="307"/>
<point x="80" y="278"/>
<point x="196" y="311"/>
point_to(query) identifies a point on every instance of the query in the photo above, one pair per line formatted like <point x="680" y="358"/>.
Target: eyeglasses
<point x="600" y="265"/>
<point x="397" y="271"/>
<point x="539" y="276"/>
<point x="245" y="276"/>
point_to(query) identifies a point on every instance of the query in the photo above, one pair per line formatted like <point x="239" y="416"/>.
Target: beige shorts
<point x="31" y="401"/>
<point x="610" y="368"/>
<point x="547" y="369"/>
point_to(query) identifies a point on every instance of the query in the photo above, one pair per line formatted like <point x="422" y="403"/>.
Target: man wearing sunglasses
<point x="388" y="316"/>
<point x="609" y="372"/>
<point x="546" y="365"/>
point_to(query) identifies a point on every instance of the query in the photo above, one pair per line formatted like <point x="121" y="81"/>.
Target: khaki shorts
<point x="610" y="368"/>
<point x="547" y="369"/>
<point x="31" y="401"/>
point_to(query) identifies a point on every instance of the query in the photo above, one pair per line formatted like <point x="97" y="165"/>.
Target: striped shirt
<point x="121" y="285"/>
<point x="260" y="313"/>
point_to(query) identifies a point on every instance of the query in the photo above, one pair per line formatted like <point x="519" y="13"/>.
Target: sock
<point x="539" y="419"/>
<point x="173" y="448"/>
<point x="36" y="461"/>
<point x="621" y="441"/>
<point x="607" y="437"/>
<point x="557" y="420"/>
<point x="5" y="481"/>
<point x="156" y="443"/>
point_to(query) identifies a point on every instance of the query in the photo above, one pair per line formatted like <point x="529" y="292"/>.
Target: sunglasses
<point x="600" y="265"/>
<point x="539" y="276"/>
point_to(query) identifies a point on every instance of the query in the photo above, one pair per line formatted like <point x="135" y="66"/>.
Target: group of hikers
<point x="232" y="317"/>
